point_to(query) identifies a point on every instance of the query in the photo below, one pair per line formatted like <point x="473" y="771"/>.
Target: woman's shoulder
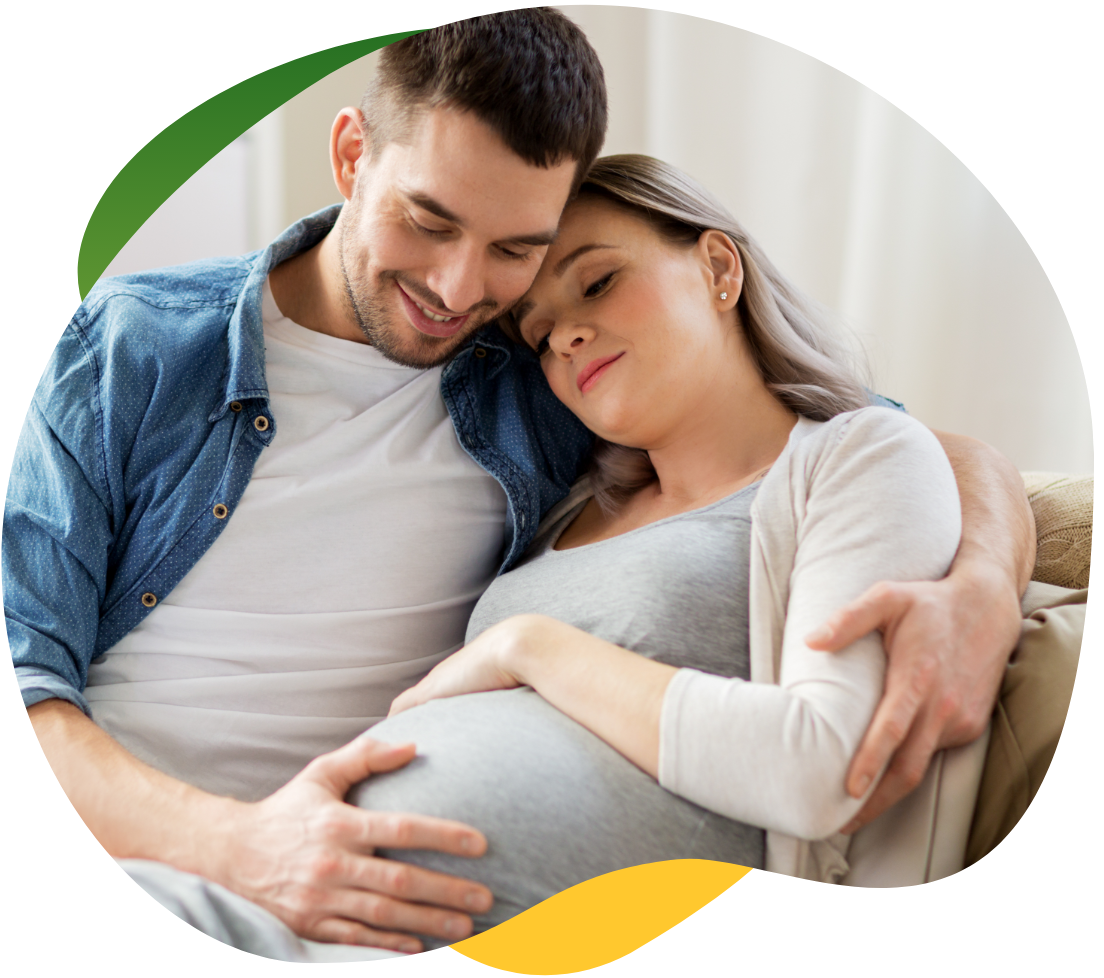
<point x="867" y="429"/>
<point x="878" y="449"/>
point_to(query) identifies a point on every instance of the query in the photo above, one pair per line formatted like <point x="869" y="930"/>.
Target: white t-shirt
<point x="347" y="570"/>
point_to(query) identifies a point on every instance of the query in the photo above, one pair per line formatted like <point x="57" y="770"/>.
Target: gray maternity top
<point x="557" y="804"/>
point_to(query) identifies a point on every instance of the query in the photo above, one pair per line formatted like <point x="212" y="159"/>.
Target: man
<point x="257" y="498"/>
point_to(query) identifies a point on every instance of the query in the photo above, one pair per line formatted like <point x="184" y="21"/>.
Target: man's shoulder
<point x="163" y="312"/>
<point x="210" y="282"/>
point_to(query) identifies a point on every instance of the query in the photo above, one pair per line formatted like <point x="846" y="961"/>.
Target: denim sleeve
<point x="57" y="530"/>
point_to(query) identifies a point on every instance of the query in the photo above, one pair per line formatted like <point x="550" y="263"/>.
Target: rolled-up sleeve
<point x="57" y="531"/>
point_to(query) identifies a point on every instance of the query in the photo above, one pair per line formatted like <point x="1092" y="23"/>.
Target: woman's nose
<point x="567" y="339"/>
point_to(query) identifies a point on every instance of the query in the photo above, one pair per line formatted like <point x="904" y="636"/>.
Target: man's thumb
<point x="348" y="765"/>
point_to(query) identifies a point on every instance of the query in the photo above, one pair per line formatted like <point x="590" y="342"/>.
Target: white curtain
<point x="869" y="214"/>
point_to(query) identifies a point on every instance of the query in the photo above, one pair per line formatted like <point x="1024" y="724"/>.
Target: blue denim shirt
<point x="153" y="410"/>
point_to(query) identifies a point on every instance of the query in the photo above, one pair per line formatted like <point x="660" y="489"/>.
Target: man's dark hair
<point x="531" y="75"/>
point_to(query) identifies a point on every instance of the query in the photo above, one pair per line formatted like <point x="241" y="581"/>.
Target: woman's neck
<point x="729" y="441"/>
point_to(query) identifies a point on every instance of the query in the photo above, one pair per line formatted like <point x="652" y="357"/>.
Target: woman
<point x="740" y="491"/>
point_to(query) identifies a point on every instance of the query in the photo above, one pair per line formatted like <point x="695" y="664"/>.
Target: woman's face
<point x="632" y="335"/>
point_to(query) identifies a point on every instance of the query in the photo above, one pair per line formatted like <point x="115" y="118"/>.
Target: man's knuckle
<point x="896" y="728"/>
<point x="911" y="772"/>
<point x="925" y="668"/>
<point x="400" y="830"/>
<point x="382" y="912"/>
<point x="950" y="707"/>
<point x="882" y="592"/>
<point x="325" y="865"/>
<point x="400" y="879"/>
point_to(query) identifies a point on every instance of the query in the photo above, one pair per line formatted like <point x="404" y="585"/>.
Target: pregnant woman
<point x="638" y="688"/>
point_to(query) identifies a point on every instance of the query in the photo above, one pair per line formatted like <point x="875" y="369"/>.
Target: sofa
<point x="973" y="796"/>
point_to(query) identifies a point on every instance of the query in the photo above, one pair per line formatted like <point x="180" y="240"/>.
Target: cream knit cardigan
<point x="866" y="497"/>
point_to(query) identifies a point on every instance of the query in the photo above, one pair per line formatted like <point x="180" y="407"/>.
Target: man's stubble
<point x="369" y="309"/>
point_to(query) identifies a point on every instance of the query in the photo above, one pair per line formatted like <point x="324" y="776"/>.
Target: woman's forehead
<point x="586" y="220"/>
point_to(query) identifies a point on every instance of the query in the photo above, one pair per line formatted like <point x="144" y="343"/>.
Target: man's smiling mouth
<point x="433" y="315"/>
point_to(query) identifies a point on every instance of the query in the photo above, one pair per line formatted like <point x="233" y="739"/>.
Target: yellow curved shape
<point x="602" y="919"/>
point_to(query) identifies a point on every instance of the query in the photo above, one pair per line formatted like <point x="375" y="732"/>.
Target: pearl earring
<point x="724" y="295"/>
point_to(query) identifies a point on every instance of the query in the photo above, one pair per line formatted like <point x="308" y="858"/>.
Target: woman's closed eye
<point x="598" y="287"/>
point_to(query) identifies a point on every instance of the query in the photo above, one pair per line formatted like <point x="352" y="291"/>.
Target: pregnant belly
<point x="557" y="804"/>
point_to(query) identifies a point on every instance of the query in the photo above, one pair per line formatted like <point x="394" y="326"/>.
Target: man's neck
<point x="309" y="290"/>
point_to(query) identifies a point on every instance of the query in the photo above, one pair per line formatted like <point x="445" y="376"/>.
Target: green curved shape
<point x="158" y="169"/>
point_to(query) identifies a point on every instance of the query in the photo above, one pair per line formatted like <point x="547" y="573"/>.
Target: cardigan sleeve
<point x="874" y="500"/>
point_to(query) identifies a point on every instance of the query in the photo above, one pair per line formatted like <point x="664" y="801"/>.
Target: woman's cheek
<point x="556" y="375"/>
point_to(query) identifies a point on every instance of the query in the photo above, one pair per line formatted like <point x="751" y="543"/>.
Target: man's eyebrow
<point x="561" y="265"/>
<point x="437" y="209"/>
<point x="537" y="240"/>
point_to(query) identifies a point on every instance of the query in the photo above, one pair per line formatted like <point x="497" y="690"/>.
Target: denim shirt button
<point x="220" y="511"/>
<point x="149" y="600"/>
<point x="235" y="406"/>
<point x="480" y="352"/>
<point x="260" y="422"/>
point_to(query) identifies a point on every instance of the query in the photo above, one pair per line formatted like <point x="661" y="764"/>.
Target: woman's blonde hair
<point x="799" y="354"/>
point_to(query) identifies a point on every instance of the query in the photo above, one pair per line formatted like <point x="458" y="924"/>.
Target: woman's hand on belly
<point x="479" y="667"/>
<point x="614" y="693"/>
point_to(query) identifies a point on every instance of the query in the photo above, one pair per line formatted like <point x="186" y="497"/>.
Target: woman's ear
<point x="725" y="270"/>
<point x="348" y="145"/>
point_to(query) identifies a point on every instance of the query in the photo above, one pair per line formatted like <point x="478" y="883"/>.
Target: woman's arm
<point x="877" y="503"/>
<point x="614" y="693"/>
<point x="882" y="505"/>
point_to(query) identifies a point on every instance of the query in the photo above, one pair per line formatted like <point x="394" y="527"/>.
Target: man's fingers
<point x="893" y="721"/>
<point x="397" y="915"/>
<point x="397" y="897"/>
<point x="339" y="770"/>
<point x="907" y="770"/>
<point x="338" y="930"/>
<point x="873" y="610"/>
<point x="400" y="830"/>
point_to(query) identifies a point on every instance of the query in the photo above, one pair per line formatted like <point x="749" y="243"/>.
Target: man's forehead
<point x="458" y="168"/>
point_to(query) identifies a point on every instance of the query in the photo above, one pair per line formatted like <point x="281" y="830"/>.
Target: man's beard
<point x="401" y="342"/>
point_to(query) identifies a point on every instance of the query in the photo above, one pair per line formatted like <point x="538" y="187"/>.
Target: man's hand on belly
<point x="307" y="856"/>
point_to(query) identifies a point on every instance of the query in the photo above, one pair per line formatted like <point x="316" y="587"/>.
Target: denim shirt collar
<point x="245" y="377"/>
<point x="506" y="417"/>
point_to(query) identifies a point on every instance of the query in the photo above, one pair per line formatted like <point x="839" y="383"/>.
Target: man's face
<point x="444" y="232"/>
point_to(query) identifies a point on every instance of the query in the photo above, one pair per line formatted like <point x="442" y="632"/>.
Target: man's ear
<point x="348" y="145"/>
<point x="725" y="269"/>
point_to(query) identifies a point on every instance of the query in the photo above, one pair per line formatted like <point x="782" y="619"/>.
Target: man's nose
<point x="461" y="280"/>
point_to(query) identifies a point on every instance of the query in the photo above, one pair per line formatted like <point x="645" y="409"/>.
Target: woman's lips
<point x="421" y="322"/>
<point x="593" y="371"/>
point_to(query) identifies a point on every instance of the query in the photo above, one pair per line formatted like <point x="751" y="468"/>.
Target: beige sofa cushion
<point x="1063" y="507"/>
<point x="1030" y="712"/>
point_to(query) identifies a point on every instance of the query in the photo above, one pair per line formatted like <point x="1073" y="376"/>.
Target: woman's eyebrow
<point x="561" y="265"/>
